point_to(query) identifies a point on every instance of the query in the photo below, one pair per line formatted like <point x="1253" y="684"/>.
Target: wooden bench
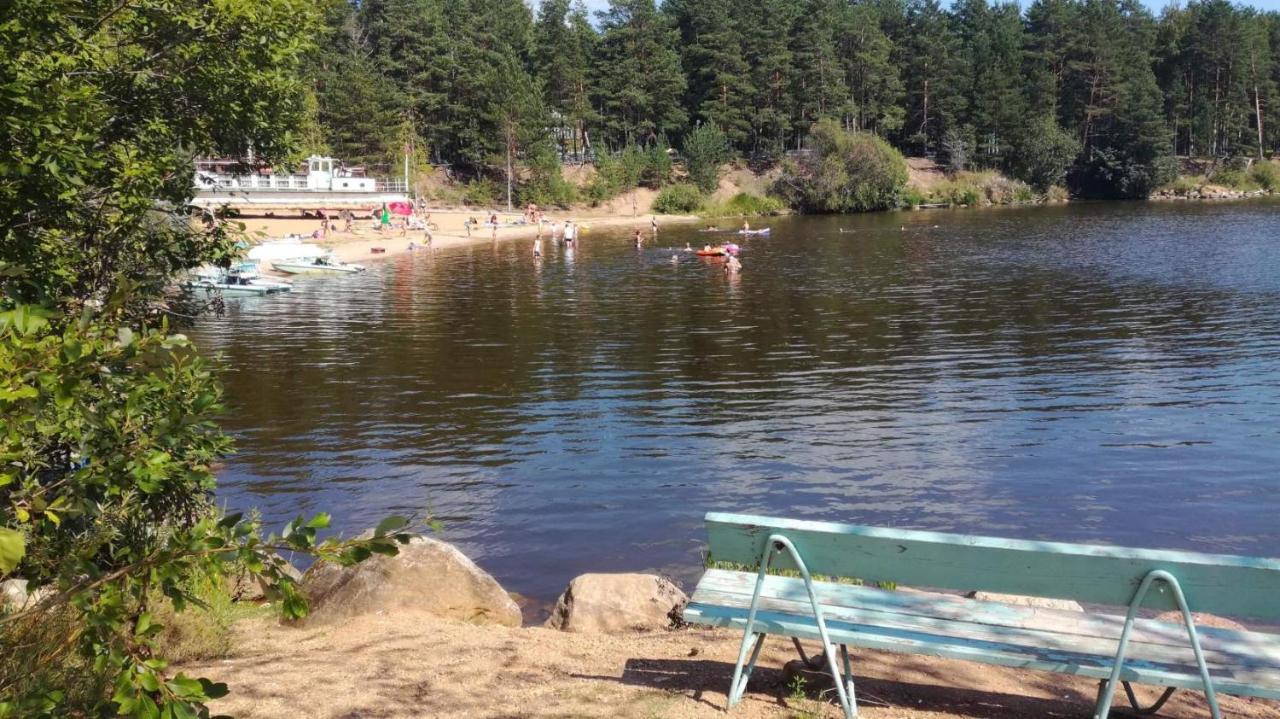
<point x="1118" y="651"/>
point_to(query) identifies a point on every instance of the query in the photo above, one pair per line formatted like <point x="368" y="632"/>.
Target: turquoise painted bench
<point x="1117" y="651"/>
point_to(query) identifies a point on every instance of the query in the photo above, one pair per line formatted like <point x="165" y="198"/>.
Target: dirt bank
<point x="399" y="665"/>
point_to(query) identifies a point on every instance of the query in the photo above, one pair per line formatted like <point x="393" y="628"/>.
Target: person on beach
<point x="384" y="220"/>
<point x="348" y="220"/>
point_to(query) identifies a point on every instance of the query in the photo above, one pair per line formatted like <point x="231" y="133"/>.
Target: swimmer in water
<point x="639" y="239"/>
<point x="732" y="264"/>
<point x="537" y="247"/>
<point x="687" y="248"/>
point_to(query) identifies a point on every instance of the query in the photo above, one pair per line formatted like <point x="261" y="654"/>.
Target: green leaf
<point x="320" y="521"/>
<point x="390" y="524"/>
<point x="125" y="335"/>
<point x="12" y="549"/>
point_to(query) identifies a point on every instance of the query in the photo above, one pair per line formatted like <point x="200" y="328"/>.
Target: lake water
<point x="1095" y="372"/>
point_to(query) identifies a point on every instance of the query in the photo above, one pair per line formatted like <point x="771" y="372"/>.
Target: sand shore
<point x="358" y="246"/>
<point x="402" y="665"/>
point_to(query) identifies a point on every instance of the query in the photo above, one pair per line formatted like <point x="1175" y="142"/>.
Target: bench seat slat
<point x="1073" y="627"/>
<point x="1242" y="663"/>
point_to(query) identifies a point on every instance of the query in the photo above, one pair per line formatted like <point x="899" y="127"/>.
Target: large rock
<point x="427" y="575"/>
<point x="245" y="587"/>
<point x="613" y="603"/>
<point x="1023" y="601"/>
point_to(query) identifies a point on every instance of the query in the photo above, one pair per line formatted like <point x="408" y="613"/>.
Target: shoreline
<point x="357" y="247"/>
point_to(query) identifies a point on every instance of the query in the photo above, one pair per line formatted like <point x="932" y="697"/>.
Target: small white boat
<point x="242" y="281"/>
<point x="289" y="248"/>
<point x="324" y="265"/>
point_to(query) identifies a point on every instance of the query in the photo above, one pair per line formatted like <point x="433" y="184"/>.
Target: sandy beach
<point x="360" y="245"/>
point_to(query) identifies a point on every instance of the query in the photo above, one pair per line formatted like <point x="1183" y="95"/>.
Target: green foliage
<point x="107" y="432"/>
<point x="637" y="79"/>
<point x="1235" y="179"/>
<point x="744" y="204"/>
<point x="655" y="170"/>
<point x="845" y="172"/>
<point x="546" y="186"/>
<point x="706" y="148"/>
<point x="678" y="199"/>
<point x="481" y="192"/>
<point x="1041" y="154"/>
<point x="108" y="438"/>
<point x="1266" y="175"/>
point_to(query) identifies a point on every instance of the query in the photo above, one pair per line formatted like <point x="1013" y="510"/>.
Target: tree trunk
<point x="510" y="141"/>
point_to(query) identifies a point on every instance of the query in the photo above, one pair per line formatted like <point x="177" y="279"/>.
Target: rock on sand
<point x="427" y="575"/>
<point x="615" y="603"/>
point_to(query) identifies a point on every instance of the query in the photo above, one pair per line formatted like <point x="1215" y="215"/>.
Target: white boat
<point x="325" y="265"/>
<point x="286" y="248"/>
<point x="326" y="185"/>
<point x="232" y="283"/>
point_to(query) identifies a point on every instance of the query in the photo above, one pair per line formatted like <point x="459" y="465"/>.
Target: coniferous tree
<point x="637" y="80"/>
<point x="874" y="92"/>
<point x="719" y="83"/>
<point x="563" y="45"/>
<point x="929" y="53"/>
<point x="817" y="77"/>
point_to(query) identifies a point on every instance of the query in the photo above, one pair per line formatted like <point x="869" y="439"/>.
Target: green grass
<point x="199" y="633"/>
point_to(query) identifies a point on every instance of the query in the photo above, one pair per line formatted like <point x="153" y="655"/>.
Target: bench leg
<point x="1106" y="692"/>
<point x="742" y="673"/>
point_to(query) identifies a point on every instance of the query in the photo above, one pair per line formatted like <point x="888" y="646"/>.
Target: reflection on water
<point x="1098" y="372"/>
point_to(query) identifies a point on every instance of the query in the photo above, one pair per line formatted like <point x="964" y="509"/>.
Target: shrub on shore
<point x="705" y="149"/>
<point x="844" y="172"/>
<point x="678" y="199"/>
<point x="744" y="204"/>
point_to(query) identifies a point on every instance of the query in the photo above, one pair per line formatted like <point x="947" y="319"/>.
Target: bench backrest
<point x="1214" y="583"/>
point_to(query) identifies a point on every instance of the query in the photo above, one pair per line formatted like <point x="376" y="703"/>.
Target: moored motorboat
<point x="324" y="265"/>
<point x="232" y="283"/>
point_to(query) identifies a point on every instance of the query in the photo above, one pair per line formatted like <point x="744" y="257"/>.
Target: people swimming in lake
<point x="732" y="264"/>
<point x="687" y="247"/>
<point x="746" y="226"/>
<point x="639" y="239"/>
<point x="537" y="247"/>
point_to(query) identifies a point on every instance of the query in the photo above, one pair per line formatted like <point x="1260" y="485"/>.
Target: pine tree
<point x="356" y="108"/>
<point x="768" y="53"/>
<point x="719" y="88"/>
<point x="929" y="54"/>
<point x="563" y="44"/>
<point x="817" y="76"/>
<point x="637" y="79"/>
<point x="874" y="85"/>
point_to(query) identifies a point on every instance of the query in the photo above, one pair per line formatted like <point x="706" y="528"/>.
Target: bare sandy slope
<point x="406" y="665"/>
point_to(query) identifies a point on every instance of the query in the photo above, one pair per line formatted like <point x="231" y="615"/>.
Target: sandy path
<point x="406" y="665"/>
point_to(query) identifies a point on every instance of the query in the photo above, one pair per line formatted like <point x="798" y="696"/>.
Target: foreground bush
<point x="844" y="172"/>
<point x="107" y="431"/>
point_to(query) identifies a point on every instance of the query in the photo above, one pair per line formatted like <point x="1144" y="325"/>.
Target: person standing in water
<point x="746" y="226"/>
<point x="570" y="232"/>
<point x="537" y="247"/>
<point x="639" y="239"/>
<point x="653" y="222"/>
